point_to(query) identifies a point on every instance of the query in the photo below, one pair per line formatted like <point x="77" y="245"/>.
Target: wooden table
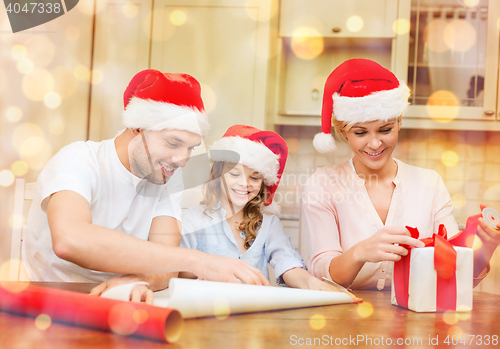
<point x="374" y="323"/>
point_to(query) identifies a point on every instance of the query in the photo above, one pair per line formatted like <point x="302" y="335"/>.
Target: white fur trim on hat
<point x="151" y="115"/>
<point x="254" y="155"/>
<point x="272" y="208"/>
<point x="324" y="143"/>
<point x="378" y="106"/>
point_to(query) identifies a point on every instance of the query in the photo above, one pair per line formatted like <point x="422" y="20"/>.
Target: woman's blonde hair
<point x="252" y="212"/>
<point x="344" y="126"/>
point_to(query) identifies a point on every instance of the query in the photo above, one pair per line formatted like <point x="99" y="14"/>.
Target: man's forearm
<point x="111" y="251"/>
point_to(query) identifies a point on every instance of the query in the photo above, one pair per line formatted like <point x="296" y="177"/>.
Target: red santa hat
<point x="262" y="151"/>
<point x="156" y="101"/>
<point x="359" y="90"/>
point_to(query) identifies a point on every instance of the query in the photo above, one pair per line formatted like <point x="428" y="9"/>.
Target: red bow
<point x="445" y="263"/>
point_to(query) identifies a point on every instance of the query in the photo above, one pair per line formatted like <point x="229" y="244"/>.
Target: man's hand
<point x="140" y="293"/>
<point x="384" y="245"/>
<point x="225" y="269"/>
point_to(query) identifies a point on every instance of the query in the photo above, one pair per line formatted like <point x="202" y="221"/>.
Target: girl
<point x="354" y="215"/>
<point x="236" y="217"/>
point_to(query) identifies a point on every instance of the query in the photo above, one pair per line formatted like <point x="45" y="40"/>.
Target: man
<point x="103" y="208"/>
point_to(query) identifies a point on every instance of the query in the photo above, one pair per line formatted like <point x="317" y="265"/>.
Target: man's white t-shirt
<point x="118" y="200"/>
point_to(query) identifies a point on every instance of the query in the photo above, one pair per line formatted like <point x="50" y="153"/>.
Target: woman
<point x="236" y="218"/>
<point x="354" y="215"/>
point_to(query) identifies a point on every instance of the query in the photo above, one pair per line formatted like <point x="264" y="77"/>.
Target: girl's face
<point x="373" y="143"/>
<point x="240" y="184"/>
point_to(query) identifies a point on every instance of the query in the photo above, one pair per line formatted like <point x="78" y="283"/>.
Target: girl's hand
<point x="384" y="245"/>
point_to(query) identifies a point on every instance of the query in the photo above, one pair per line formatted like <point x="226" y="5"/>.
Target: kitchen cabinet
<point x="448" y="54"/>
<point x="316" y="36"/>
<point x="224" y="44"/>
<point x="453" y="65"/>
<point x="339" y="18"/>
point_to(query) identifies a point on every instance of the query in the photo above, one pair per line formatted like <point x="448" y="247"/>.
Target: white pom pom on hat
<point x="359" y="90"/>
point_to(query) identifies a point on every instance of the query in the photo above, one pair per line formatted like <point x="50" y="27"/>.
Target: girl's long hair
<point x="252" y="212"/>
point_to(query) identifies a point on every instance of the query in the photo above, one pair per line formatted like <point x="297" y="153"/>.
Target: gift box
<point x="435" y="278"/>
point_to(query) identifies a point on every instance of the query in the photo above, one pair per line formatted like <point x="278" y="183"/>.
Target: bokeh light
<point x="82" y="73"/>
<point x="434" y="35"/>
<point x="317" y="322"/>
<point x="18" y="52"/>
<point x="364" y="309"/>
<point x="471" y="3"/>
<point x="130" y="10"/>
<point x="43" y="321"/>
<point x="41" y="50"/>
<point x="97" y="76"/>
<point x="140" y="316"/>
<point x="16" y="221"/>
<point x="65" y="81"/>
<point x="443" y="106"/>
<point x="221" y="308"/>
<point x="456" y="332"/>
<point x="121" y="319"/>
<point x="13" y="287"/>
<point x="463" y="312"/>
<point x="25" y="131"/>
<point x="31" y="146"/>
<point x="355" y="24"/>
<point x="56" y="126"/>
<point x="37" y="84"/>
<point x="25" y="66"/>
<point x="19" y="168"/>
<point x="6" y="178"/>
<point x="178" y="17"/>
<point x="209" y="98"/>
<point x="307" y="43"/>
<point x="52" y="100"/>
<point x="72" y="33"/>
<point x="450" y="159"/>
<point x="459" y="201"/>
<point x="29" y="141"/>
<point x="459" y="35"/>
<point x="450" y="317"/>
<point x="14" y="114"/>
<point x="401" y="26"/>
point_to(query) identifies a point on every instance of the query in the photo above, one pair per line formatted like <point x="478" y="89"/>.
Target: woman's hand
<point x="488" y="235"/>
<point x="384" y="245"/>
<point x="140" y="293"/>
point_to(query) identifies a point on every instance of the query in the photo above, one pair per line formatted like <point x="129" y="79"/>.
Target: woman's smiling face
<point x="373" y="142"/>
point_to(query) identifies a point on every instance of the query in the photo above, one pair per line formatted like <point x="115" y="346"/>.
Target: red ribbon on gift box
<point x="445" y="263"/>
